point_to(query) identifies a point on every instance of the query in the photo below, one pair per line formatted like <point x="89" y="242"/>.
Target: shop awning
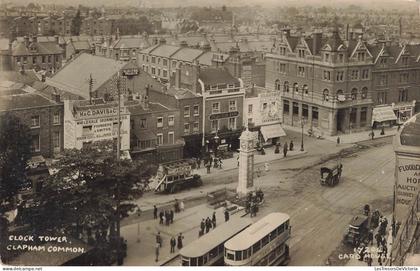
<point x="383" y="113"/>
<point x="272" y="131"/>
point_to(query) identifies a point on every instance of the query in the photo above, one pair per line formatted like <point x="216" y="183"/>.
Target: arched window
<point x="296" y="87"/>
<point x="354" y="94"/>
<point x="286" y="86"/>
<point x="277" y="85"/>
<point x="306" y="89"/>
<point x="325" y="95"/>
<point x="364" y="92"/>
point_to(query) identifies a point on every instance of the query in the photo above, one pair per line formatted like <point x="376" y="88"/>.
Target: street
<point x="319" y="214"/>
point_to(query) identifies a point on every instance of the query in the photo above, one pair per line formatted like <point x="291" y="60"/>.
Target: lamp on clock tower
<point x="246" y="163"/>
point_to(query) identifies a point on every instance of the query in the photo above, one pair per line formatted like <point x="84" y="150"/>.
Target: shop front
<point x="271" y="134"/>
<point x="383" y="116"/>
<point x="404" y="111"/>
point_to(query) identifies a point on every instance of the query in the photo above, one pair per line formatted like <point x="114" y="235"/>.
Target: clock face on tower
<point x="250" y="145"/>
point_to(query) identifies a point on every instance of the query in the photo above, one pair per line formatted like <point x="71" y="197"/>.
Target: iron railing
<point x="403" y="240"/>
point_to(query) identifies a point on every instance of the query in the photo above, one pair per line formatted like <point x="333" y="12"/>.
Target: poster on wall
<point x="407" y="176"/>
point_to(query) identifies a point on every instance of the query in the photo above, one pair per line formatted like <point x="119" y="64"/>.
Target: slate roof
<point x="212" y="76"/>
<point x="19" y="96"/>
<point x="81" y="45"/>
<point x="131" y="42"/>
<point x="74" y="76"/>
<point x="41" y="48"/>
<point x="165" y="50"/>
<point x="187" y="54"/>
<point x="334" y="41"/>
<point x="28" y="77"/>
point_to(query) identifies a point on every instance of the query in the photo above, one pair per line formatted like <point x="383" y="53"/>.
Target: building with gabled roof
<point x="33" y="54"/>
<point x="91" y="76"/>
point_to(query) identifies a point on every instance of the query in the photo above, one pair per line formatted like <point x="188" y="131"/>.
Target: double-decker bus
<point x="208" y="249"/>
<point x="264" y="243"/>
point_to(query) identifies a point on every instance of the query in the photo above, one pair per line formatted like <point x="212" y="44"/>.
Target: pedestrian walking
<point x="202" y="225"/>
<point x="155" y="212"/>
<point x="285" y="148"/>
<point x="161" y="216"/>
<point x="291" y="145"/>
<point x="159" y="239"/>
<point x="226" y="215"/>
<point x="208" y="224"/>
<point x="213" y="220"/>
<point x="172" y="216"/>
<point x="181" y="206"/>
<point x="180" y="238"/>
<point x="173" y="244"/>
<point x="198" y="162"/>
<point x="385" y="249"/>
<point x="338" y="140"/>
<point x="176" y="205"/>
<point x="266" y="167"/>
<point x="157" y="246"/>
<point x="372" y="135"/>
<point x="220" y="163"/>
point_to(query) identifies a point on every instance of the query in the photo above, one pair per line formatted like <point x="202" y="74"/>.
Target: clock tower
<point x="246" y="163"/>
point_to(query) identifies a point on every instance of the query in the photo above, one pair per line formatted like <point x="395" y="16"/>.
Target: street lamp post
<point x="301" y="144"/>
<point x="216" y="143"/>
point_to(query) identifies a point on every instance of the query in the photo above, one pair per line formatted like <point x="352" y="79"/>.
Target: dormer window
<point x="340" y="58"/>
<point x="327" y="57"/>
<point x="301" y="53"/>
<point x="361" y="56"/>
<point x="282" y="50"/>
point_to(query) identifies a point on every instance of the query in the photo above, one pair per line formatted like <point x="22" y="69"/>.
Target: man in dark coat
<point x="159" y="239"/>
<point x="155" y="211"/>
<point x="173" y="244"/>
<point x="291" y="145"/>
<point x="213" y="220"/>
<point x="226" y="215"/>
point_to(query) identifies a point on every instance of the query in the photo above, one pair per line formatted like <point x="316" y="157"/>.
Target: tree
<point x="15" y="151"/>
<point x="15" y="146"/>
<point x="76" y="24"/>
<point x="82" y="197"/>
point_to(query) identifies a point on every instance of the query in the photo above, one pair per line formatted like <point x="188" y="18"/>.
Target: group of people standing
<point x="173" y="243"/>
<point x="381" y="223"/>
<point x="207" y="224"/>
<point x="215" y="162"/>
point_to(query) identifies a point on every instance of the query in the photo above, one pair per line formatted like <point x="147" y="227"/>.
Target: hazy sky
<point x="176" y="3"/>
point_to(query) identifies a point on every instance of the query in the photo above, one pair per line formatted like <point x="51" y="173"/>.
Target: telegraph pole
<point x="119" y="254"/>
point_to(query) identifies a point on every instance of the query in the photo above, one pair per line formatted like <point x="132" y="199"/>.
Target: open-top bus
<point x="208" y="249"/>
<point x="263" y="243"/>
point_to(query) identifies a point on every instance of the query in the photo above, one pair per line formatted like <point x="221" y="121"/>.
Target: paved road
<point x="320" y="215"/>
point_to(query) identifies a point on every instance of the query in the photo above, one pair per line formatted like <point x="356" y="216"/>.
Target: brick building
<point x="43" y="115"/>
<point x="325" y="82"/>
<point x="189" y="105"/>
<point x="30" y="53"/>
<point x="97" y="26"/>
<point x="396" y="78"/>
<point x="154" y="133"/>
<point x="223" y="101"/>
<point x="122" y="47"/>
